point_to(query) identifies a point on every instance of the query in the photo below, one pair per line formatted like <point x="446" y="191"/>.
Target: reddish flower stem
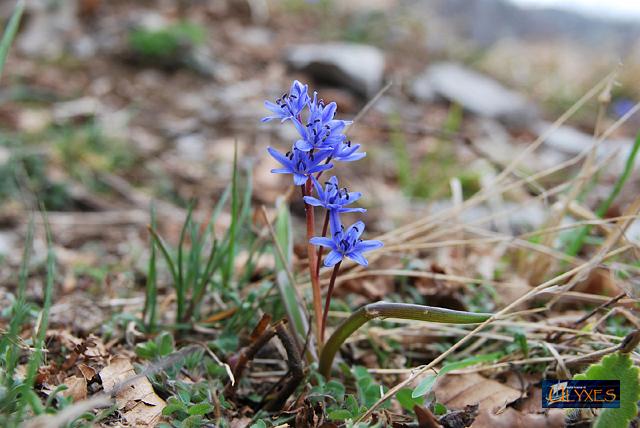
<point x="327" y="300"/>
<point x="324" y="233"/>
<point x="311" y="255"/>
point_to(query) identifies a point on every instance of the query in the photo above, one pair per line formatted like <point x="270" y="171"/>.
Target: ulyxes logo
<point x="581" y="393"/>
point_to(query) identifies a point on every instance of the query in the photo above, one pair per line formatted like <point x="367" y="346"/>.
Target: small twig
<point x="295" y="368"/>
<point x="311" y="251"/>
<point x="247" y="355"/>
<point x="367" y="107"/>
<point x="327" y="301"/>
<point x="324" y="233"/>
<point x="604" y="305"/>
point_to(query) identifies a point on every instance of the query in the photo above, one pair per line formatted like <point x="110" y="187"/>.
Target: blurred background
<point x="106" y="106"/>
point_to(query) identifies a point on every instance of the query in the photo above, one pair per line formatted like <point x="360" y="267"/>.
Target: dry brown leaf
<point x="600" y="281"/>
<point x="511" y="290"/>
<point x="87" y="372"/>
<point x="136" y="400"/>
<point x="77" y="388"/>
<point x="457" y="391"/>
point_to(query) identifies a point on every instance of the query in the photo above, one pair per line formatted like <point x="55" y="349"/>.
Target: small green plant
<point x="425" y="386"/>
<point x="202" y="259"/>
<point x="345" y="406"/>
<point x="10" y="33"/>
<point x="161" y="346"/>
<point x="616" y="366"/>
<point x="86" y="150"/>
<point x="17" y="393"/>
<point x="579" y="237"/>
<point x="166" y="44"/>
<point x="430" y="176"/>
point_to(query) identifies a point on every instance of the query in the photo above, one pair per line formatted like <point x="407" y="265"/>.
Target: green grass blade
<point x="10" y="33"/>
<point x="576" y="244"/>
<point x="401" y="154"/>
<point x="41" y="328"/>
<point x="150" y="303"/>
<point x="230" y="250"/>
<point x="293" y="305"/>
<point x="180" y="283"/>
<point x="165" y="253"/>
<point x="10" y="342"/>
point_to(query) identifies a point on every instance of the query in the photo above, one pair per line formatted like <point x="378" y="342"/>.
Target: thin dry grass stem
<point x="423" y="369"/>
<point x="539" y="265"/>
<point x="367" y="107"/>
<point x="68" y="414"/>
<point x="279" y="249"/>
<point x="517" y="240"/>
<point x="415" y="274"/>
<point x="571" y="361"/>
<point x="482" y="194"/>
<point x="611" y="240"/>
<point x="562" y="368"/>
<point x="535" y="333"/>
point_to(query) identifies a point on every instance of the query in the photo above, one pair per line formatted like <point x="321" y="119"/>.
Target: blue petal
<point x="352" y="210"/>
<point x="281" y="171"/>
<point x="368" y="245"/>
<point x="313" y="201"/>
<point x="318" y="168"/>
<point x="299" y="179"/>
<point x="279" y="157"/>
<point x="303" y="145"/>
<point x="332" y="258"/>
<point x="351" y="158"/>
<point x="274" y="107"/>
<point x="322" y="241"/>
<point x="358" y="258"/>
<point x="300" y="127"/>
<point x="334" y="222"/>
<point x="329" y="112"/>
<point x="318" y="187"/>
<point x="353" y="196"/>
<point x="356" y="229"/>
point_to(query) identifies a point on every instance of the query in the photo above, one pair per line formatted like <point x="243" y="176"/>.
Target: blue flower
<point x="290" y="105"/>
<point x="300" y="164"/>
<point x="322" y="131"/>
<point x="333" y="199"/>
<point x="347" y="152"/>
<point x="346" y="244"/>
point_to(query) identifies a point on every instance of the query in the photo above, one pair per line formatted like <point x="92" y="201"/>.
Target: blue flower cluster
<point x="321" y="141"/>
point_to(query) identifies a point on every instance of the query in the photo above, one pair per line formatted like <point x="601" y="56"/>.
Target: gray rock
<point x="49" y="28"/>
<point x="355" y="66"/>
<point x="476" y="93"/>
<point x="8" y="242"/>
<point x="569" y="141"/>
<point x="191" y="147"/>
<point x="565" y="139"/>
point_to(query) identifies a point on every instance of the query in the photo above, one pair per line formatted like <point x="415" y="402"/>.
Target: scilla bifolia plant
<point x="321" y="142"/>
